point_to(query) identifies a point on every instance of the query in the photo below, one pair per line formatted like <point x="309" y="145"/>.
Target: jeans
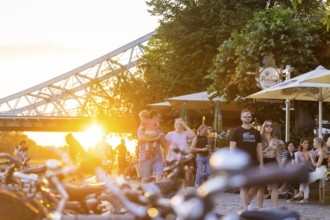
<point x="203" y="169"/>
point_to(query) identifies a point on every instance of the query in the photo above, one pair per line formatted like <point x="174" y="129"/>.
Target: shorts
<point x="149" y="167"/>
<point x="151" y="133"/>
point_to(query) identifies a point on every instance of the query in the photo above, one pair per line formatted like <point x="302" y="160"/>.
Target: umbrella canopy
<point x="319" y="75"/>
<point x="184" y="114"/>
<point x="160" y="105"/>
<point x="297" y="89"/>
<point x="217" y="121"/>
<point x="201" y="101"/>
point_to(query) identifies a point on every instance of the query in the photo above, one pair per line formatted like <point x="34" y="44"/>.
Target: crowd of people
<point x="155" y="150"/>
<point x="159" y="149"/>
<point x="264" y="147"/>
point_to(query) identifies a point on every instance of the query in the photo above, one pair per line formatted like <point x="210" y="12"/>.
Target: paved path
<point x="230" y="203"/>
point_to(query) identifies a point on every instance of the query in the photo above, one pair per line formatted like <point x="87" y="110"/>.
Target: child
<point x="150" y="127"/>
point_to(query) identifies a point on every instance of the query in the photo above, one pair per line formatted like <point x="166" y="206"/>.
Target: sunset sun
<point x="91" y="136"/>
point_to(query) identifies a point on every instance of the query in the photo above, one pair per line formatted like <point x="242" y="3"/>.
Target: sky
<point x="41" y="39"/>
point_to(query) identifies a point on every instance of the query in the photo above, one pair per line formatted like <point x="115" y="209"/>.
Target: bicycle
<point x="233" y="171"/>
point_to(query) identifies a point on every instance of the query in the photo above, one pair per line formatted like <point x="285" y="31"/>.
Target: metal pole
<point x="287" y="120"/>
<point x="320" y="119"/>
<point x="287" y="106"/>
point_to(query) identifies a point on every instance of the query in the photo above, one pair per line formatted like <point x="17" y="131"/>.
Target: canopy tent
<point x="200" y="104"/>
<point x="201" y="101"/>
<point x="160" y="105"/>
<point x="297" y="89"/>
<point x="319" y="75"/>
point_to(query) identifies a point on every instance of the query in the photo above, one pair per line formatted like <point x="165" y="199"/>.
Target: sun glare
<point x="113" y="139"/>
<point x="91" y="136"/>
<point x="94" y="133"/>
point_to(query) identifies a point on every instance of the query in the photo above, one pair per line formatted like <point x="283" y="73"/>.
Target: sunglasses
<point x="268" y="126"/>
<point x="247" y="116"/>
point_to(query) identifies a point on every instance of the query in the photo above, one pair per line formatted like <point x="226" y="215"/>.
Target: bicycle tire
<point x="15" y="206"/>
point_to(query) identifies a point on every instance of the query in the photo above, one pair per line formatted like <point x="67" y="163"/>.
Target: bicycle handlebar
<point x="254" y="176"/>
<point x="137" y="210"/>
<point x="99" y="217"/>
<point x="11" y="159"/>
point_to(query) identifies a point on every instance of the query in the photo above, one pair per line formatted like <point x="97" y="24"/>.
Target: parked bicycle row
<point x="44" y="193"/>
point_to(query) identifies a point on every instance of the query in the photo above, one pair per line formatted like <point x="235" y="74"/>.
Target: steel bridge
<point x="62" y="103"/>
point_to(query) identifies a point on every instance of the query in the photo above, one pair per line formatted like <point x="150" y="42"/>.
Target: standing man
<point x="122" y="153"/>
<point x="248" y="139"/>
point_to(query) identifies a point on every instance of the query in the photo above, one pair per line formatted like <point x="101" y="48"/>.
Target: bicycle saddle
<point x="276" y="214"/>
<point x="77" y="192"/>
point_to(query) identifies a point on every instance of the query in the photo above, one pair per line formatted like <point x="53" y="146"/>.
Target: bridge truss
<point x="70" y="94"/>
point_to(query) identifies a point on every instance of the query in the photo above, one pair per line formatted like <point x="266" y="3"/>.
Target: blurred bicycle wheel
<point x="15" y="206"/>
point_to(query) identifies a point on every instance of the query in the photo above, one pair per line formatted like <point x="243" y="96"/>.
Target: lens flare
<point x="91" y="136"/>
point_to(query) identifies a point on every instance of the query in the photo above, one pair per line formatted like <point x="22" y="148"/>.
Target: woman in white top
<point x="302" y="157"/>
<point x="178" y="138"/>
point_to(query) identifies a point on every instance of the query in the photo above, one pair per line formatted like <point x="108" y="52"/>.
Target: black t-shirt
<point x="247" y="140"/>
<point x="201" y="142"/>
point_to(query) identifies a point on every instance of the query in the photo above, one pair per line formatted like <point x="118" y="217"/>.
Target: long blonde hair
<point x="200" y="128"/>
<point x="265" y="142"/>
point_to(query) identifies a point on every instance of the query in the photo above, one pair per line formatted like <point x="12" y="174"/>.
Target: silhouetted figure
<point x="111" y="156"/>
<point x="121" y="152"/>
<point x="86" y="162"/>
<point x="76" y="151"/>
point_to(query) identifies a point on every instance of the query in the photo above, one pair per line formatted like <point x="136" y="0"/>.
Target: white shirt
<point x="178" y="140"/>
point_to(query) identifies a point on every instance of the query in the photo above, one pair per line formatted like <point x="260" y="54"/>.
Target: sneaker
<point x="250" y="207"/>
<point x="291" y="200"/>
<point x="303" y="201"/>
<point x="260" y="209"/>
<point x="283" y="189"/>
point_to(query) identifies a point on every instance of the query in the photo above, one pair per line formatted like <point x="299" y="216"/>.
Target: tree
<point x="324" y="5"/>
<point x="293" y="38"/>
<point x="179" y="57"/>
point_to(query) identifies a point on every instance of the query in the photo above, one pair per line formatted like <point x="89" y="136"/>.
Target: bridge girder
<point x="67" y="94"/>
<point x="64" y="124"/>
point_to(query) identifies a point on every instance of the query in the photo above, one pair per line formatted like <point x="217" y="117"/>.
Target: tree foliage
<point x="179" y="57"/>
<point x="292" y="39"/>
<point x="325" y="8"/>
